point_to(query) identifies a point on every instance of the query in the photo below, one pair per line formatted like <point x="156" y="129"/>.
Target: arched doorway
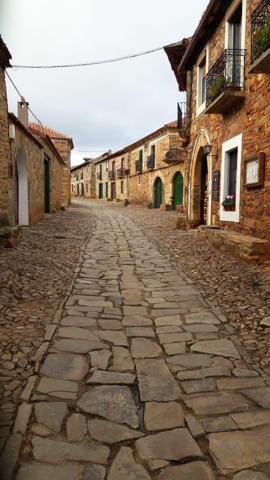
<point x="158" y="192"/>
<point x="199" y="190"/>
<point x="177" y="189"/>
<point x="22" y="213"/>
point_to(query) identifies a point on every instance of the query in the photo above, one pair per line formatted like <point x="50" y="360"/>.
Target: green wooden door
<point x="100" y="190"/>
<point x="177" y="190"/>
<point x="158" y="193"/>
<point x="46" y="186"/>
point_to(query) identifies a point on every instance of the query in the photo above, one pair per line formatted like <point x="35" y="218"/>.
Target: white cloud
<point x="105" y="106"/>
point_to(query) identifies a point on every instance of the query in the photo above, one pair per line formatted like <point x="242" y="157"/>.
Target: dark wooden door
<point x="204" y="190"/>
<point x="177" y="190"/>
<point x="46" y="186"/>
<point x="158" y="193"/>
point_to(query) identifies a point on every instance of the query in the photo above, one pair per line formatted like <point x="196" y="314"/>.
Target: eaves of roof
<point x="157" y="133"/>
<point x="5" y="55"/>
<point x="210" y="19"/>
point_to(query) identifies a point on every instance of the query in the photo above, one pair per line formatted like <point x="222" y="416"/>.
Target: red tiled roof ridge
<point x="47" y="131"/>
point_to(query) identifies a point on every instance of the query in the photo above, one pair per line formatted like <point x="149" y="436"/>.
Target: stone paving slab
<point x="139" y="374"/>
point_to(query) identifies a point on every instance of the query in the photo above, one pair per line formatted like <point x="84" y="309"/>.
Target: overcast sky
<point x="106" y="106"/>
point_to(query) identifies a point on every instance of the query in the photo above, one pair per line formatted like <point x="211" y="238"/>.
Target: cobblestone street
<point x="140" y="378"/>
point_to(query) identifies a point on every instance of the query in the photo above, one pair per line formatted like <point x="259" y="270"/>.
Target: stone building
<point x="149" y="171"/>
<point x="31" y="167"/>
<point x="224" y="70"/>
<point x="5" y="161"/>
<point x="157" y="168"/>
<point x="83" y="179"/>
<point x="86" y="177"/>
<point x="64" y="144"/>
<point x="36" y="174"/>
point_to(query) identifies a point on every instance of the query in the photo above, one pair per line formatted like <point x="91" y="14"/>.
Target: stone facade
<point x="32" y="194"/>
<point x="5" y="194"/>
<point x="132" y="174"/>
<point x="64" y="145"/>
<point x="83" y="179"/>
<point x="239" y="122"/>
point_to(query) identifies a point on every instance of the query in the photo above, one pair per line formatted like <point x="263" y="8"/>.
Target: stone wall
<point x="27" y="155"/>
<point x="252" y="119"/>
<point x="141" y="187"/>
<point x="83" y="180"/>
<point x="5" y="194"/>
<point x="64" y="148"/>
<point x="56" y="167"/>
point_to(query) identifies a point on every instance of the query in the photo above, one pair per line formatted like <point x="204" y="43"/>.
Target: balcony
<point x="150" y="162"/>
<point x="138" y="166"/>
<point x="225" y="82"/>
<point x="260" y="39"/>
<point x="175" y="155"/>
<point x="181" y="115"/>
<point x="99" y="176"/>
<point x="111" y="175"/>
<point x="120" y="173"/>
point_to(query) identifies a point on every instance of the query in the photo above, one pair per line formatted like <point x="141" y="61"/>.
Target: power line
<point x="88" y="64"/>
<point x="22" y="98"/>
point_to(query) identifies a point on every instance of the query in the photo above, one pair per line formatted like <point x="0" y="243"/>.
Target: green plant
<point x="217" y="87"/>
<point x="261" y="37"/>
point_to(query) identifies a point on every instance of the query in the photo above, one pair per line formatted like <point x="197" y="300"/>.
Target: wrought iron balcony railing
<point x="111" y="175"/>
<point x="150" y="162"/>
<point x="260" y="30"/>
<point x="138" y="166"/>
<point x="99" y="176"/>
<point x="120" y="173"/>
<point x="226" y="75"/>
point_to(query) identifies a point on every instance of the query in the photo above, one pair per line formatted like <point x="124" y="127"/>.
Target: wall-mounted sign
<point x="216" y="185"/>
<point x="254" y="171"/>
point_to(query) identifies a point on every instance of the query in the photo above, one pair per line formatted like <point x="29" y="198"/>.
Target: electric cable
<point x="88" y="64"/>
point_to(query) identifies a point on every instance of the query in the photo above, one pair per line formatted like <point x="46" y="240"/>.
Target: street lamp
<point x="207" y="150"/>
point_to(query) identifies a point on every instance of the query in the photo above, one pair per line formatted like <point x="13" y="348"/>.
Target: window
<point x="230" y="178"/>
<point x="122" y="163"/>
<point x="202" y="68"/>
<point x="232" y="170"/>
<point x="100" y="171"/>
<point x="122" y="187"/>
<point x="202" y="75"/>
<point x="153" y="153"/>
<point x="235" y="29"/>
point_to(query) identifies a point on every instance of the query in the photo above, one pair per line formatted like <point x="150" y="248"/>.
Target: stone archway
<point x="22" y="206"/>
<point x="199" y="208"/>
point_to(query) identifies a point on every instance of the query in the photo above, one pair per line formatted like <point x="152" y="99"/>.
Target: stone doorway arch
<point x="199" y="208"/>
<point x="22" y="205"/>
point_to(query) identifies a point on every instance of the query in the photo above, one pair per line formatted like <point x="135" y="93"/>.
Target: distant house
<point x="85" y="177"/>
<point x="148" y="171"/>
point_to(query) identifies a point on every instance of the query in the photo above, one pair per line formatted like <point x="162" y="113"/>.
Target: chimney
<point x="23" y="111"/>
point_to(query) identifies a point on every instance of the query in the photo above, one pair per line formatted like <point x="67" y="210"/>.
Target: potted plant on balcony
<point x="229" y="203"/>
<point x="261" y="38"/>
<point x="217" y="87"/>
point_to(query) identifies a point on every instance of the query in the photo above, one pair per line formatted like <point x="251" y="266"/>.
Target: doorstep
<point x="249" y="248"/>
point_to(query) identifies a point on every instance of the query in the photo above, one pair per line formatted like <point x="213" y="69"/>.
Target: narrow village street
<point x="140" y="376"/>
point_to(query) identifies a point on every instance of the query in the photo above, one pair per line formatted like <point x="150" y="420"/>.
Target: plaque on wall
<point x="216" y="185"/>
<point x="254" y="171"/>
